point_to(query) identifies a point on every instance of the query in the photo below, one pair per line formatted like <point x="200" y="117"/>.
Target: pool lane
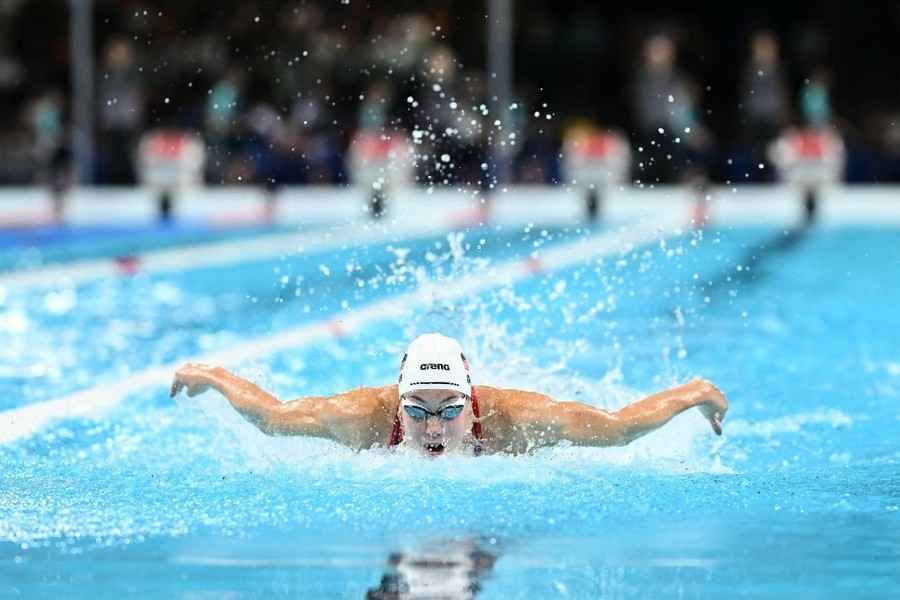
<point x="810" y="440"/>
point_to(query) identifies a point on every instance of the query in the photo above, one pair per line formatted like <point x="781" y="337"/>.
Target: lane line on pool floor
<point x="25" y="421"/>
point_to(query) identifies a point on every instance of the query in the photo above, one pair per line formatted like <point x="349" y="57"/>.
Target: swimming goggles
<point x="448" y="413"/>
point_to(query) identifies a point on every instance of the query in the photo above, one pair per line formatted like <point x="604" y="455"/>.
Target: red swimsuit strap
<point x="476" y="412"/>
<point x="397" y="430"/>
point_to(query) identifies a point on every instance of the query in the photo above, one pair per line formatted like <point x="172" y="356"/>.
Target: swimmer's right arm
<point x="345" y="418"/>
<point x="252" y="402"/>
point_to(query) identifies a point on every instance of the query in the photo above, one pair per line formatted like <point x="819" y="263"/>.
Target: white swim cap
<point x="434" y="362"/>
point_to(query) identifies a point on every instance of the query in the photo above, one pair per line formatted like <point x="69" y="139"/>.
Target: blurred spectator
<point x="318" y="135"/>
<point x="221" y="123"/>
<point x="45" y="116"/>
<point x="265" y="129"/>
<point x="764" y="108"/>
<point x="670" y="135"/>
<point x="815" y="99"/>
<point x="121" y="96"/>
<point x="450" y="118"/>
<point x="375" y="106"/>
<point x="444" y="125"/>
<point x="764" y="93"/>
<point x="404" y="45"/>
<point x="50" y="147"/>
<point x="538" y="158"/>
<point x="222" y="105"/>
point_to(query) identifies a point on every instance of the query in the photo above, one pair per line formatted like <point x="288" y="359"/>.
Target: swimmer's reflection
<point x="451" y="569"/>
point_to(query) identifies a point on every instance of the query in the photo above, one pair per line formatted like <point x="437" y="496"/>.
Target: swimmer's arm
<point x="350" y="418"/>
<point x="644" y="416"/>
<point x="546" y="422"/>
<point x="358" y="418"/>
<point x="538" y="420"/>
<point x="252" y="402"/>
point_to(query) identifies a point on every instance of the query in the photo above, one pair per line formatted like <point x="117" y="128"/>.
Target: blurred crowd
<point x="278" y="91"/>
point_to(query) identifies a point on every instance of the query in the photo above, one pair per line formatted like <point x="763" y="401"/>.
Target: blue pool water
<point x="28" y="247"/>
<point x="800" y="498"/>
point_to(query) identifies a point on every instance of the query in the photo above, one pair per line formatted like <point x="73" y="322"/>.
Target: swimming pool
<point x="152" y="496"/>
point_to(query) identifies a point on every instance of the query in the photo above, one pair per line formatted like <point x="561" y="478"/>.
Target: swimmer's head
<point x="435" y="395"/>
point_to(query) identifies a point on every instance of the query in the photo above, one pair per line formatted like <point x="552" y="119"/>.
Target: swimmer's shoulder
<point x="368" y="413"/>
<point x="371" y="401"/>
<point x="508" y="403"/>
<point x="505" y="415"/>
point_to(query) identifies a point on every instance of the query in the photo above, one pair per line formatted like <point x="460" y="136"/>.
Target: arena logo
<point x="438" y="366"/>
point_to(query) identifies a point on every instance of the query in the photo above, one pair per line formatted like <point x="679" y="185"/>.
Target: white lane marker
<point x="24" y="421"/>
<point x="223" y="253"/>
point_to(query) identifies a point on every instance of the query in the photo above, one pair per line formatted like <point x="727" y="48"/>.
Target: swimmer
<point x="435" y="409"/>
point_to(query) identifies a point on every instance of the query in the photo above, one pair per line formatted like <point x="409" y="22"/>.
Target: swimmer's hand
<point x="711" y="402"/>
<point x="196" y="378"/>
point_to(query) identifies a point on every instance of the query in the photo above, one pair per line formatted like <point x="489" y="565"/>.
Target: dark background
<point x="580" y="58"/>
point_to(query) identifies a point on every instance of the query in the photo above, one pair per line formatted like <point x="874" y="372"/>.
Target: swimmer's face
<point x="435" y="435"/>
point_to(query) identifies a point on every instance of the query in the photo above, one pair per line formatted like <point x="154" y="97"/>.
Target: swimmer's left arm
<point x="538" y="420"/>
<point x="546" y="422"/>
<point x="654" y="411"/>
